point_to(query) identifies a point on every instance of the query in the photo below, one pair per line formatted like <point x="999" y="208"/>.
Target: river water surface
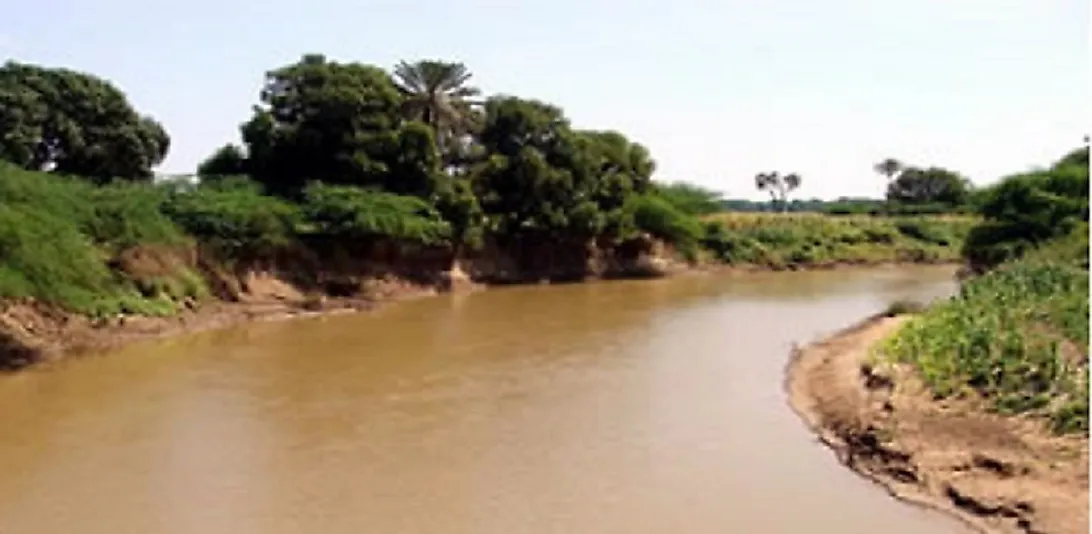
<point x="623" y="407"/>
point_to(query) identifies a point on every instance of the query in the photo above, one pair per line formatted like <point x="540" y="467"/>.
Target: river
<point x="621" y="407"/>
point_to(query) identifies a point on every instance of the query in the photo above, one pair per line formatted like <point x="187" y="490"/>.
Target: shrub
<point x="357" y="213"/>
<point x="661" y="219"/>
<point x="127" y="215"/>
<point x="234" y="217"/>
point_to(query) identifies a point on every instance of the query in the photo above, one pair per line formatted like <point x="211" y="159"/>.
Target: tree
<point x="435" y="93"/>
<point x="1026" y="210"/>
<point x="228" y="160"/>
<point x="932" y="185"/>
<point x="543" y="182"/>
<point x="777" y="186"/>
<point x="75" y="123"/>
<point x="888" y="168"/>
<point x="338" y="123"/>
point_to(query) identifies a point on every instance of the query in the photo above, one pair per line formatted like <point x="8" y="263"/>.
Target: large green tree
<point x="75" y="123"/>
<point x="541" y="180"/>
<point x="338" y="123"/>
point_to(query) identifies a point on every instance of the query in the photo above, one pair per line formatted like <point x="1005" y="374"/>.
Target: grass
<point x="1016" y="337"/>
<point x="55" y="239"/>
<point x="809" y="239"/>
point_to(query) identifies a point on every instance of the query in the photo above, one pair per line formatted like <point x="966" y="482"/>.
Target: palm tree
<point x="778" y="186"/>
<point x="436" y="94"/>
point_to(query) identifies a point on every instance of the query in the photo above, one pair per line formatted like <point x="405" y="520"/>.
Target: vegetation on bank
<point x="816" y="240"/>
<point x="1017" y="336"/>
<point x="351" y="155"/>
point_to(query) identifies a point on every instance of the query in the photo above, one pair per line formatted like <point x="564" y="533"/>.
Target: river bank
<point x="33" y="333"/>
<point x="998" y="474"/>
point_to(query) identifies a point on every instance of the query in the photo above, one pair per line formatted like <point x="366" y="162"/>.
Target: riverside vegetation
<point x="1017" y="335"/>
<point x="348" y="173"/>
<point x="976" y="405"/>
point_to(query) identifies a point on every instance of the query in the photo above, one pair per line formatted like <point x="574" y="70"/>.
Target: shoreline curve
<point x="995" y="475"/>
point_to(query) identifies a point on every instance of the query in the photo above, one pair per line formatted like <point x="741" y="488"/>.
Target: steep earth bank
<point x="998" y="474"/>
<point x="307" y="281"/>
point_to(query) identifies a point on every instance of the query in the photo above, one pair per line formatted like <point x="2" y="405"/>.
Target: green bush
<point x="355" y="213"/>
<point x="1026" y="210"/>
<point x="234" y="217"/>
<point x="127" y="215"/>
<point x="660" y="218"/>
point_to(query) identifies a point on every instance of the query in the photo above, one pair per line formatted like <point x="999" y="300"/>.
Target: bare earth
<point x="998" y="474"/>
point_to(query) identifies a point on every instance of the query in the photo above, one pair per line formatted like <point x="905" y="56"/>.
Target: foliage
<point x="1026" y="210"/>
<point x="888" y="168"/>
<point x="228" y="160"/>
<point x="689" y="198"/>
<point x="234" y="217"/>
<point x="660" y="218"/>
<point x="436" y="94"/>
<point x="47" y="252"/>
<point x="355" y="213"/>
<point x="932" y="185"/>
<point x="777" y="186"/>
<point x="74" y="123"/>
<point x="783" y="240"/>
<point x="544" y="181"/>
<point x="457" y="204"/>
<point x="337" y="123"/>
<point x="129" y="215"/>
<point x="1017" y="336"/>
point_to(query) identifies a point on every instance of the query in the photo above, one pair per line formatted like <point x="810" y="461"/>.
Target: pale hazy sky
<point x="717" y="89"/>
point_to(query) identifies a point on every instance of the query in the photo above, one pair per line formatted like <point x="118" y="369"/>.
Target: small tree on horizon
<point x="888" y="168"/>
<point x="777" y="186"/>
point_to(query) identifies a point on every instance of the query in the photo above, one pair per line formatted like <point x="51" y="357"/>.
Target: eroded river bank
<point x="628" y="407"/>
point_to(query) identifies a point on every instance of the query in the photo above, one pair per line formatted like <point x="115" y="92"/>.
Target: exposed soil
<point x="998" y="474"/>
<point x="31" y="333"/>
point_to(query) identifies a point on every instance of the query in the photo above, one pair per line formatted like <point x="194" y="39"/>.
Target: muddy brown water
<point x="623" y="407"/>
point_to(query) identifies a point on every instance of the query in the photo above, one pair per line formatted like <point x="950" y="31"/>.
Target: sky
<point x="718" y="90"/>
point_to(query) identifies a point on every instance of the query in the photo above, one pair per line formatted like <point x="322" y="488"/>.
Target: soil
<point x="998" y="474"/>
<point x="31" y="333"/>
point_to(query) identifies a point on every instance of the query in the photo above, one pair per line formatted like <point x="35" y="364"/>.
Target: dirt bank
<point x="998" y="474"/>
<point x="315" y="279"/>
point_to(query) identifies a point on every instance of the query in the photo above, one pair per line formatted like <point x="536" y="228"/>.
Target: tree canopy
<point x="338" y="123"/>
<point x="1025" y="210"/>
<point x="932" y="185"/>
<point x="778" y="186"/>
<point x="540" y="178"/>
<point x="437" y="93"/>
<point x="75" y="123"/>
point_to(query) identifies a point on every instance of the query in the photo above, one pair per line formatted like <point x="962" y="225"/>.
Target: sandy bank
<point x="998" y="474"/>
